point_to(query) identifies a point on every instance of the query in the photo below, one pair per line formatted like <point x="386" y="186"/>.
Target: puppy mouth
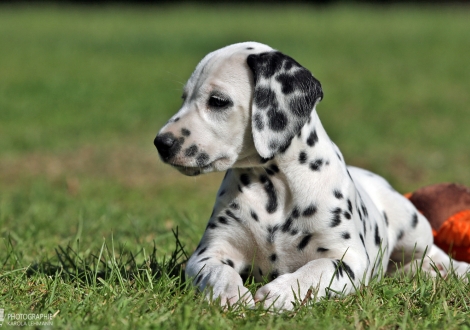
<point x="210" y="167"/>
<point x="192" y="171"/>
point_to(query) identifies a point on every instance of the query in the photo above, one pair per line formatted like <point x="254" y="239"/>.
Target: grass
<point x="84" y="199"/>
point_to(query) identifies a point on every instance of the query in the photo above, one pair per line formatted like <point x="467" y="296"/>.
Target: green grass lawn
<point x="84" y="198"/>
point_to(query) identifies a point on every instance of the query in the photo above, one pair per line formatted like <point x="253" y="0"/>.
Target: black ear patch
<point x="284" y="96"/>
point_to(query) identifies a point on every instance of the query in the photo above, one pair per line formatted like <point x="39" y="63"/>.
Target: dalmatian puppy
<point x="289" y="211"/>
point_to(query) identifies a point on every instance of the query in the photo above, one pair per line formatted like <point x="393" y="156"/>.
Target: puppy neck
<point x="311" y="156"/>
<point x="311" y="164"/>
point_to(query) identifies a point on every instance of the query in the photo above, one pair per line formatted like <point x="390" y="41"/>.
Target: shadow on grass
<point x="111" y="266"/>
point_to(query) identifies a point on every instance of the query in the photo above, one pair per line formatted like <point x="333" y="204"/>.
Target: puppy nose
<point x="167" y="145"/>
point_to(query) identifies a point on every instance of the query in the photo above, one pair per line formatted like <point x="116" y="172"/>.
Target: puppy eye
<point x="219" y="102"/>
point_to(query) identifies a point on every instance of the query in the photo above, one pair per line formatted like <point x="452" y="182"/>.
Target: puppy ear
<point x="285" y="94"/>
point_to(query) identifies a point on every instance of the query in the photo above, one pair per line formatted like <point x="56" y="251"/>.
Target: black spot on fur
<point x="400" y="235"/>
<point x="259" y="123"/>
<point x="287" y="82"/>
<point x="302" y="157"/>
<point x="185" y="132"/>
<point x="211" y="225"/>
<point x="295" y="212"/>
<point x="222" y="220"/>
<point x="294" y="232"/>
<point x="202" y="251"/>
<point x="228" y="262"/>
<point x="316" y="165"/>
<point x="304" y="242"/>
<point x="234" y="205"/>
<point x="350" y="208"/>
<point x="264" y="97"/>
<point x="222" y="192"/>
<point x="285" y="146"/>
<point x="268" y="171"/>
<point x="348" y="269"/>
<point x="309" y="211"/>
<point x="337" y="211"/>
<point x="249" y="48"/>
<point x="277" y="120"/>
<point x="301" y="105"/>
<point x="364" y="211"/>
<point x="230" y="214"/>
<point x="272" y="233"/>
<point x="191" y="151"/>
<point x="386" y="218"/>
<point x="271" y="206"/>
<point x="273" y="257"/>
<point x="202" y="159"/>
<point x="347" y="215"/>
<point x="338" y="194"/>
<point x="336" y="220"/>
<point x="204" y="259"/>
<point x="176" y="119"/>
<point x="265" y="65"/>
<point x="254" y="215"/>
<point x="414" y="220"/>
<point x="239" y="188"/>
<point x="321" y="249"/>
<point x="287" y="225"/>
<point x="377" y="237"/>
<point x="245" y="179"/>
<point x="346" y="235"/>
<point x="362" y="240"/>
<point x="341" y="266"/>
<point x="198" y="279"/>
<point x="289" y="63"/>
<point x="312" y="138"/>
<point x="273" y="145"/>
<point x="338" y="269"/>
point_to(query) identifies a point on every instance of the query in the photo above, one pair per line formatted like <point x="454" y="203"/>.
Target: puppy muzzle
<point x="168" y="146"/>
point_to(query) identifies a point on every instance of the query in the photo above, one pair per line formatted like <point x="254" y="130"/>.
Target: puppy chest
<point x="271" y="244"/>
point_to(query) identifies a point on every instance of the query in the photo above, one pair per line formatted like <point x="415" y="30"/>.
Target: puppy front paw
<point x="230" y="295"/>
<point x="224" y="283"/>
<point x="282" y="293"/>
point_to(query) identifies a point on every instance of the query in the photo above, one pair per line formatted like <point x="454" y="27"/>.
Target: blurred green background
<point x="84" y="90"/>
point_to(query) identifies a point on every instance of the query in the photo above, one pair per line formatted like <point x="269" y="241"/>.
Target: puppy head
<point x="241" y="102"/>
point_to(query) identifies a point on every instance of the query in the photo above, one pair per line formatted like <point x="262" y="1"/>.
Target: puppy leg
<point x="437" y="261"/>
<point x="415" y="251"/>
<point x="325" y="277"/>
